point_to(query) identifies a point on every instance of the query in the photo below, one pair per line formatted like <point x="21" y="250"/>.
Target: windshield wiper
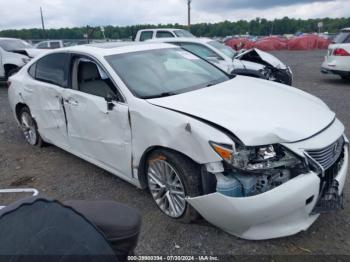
<point x="164" y="94"/>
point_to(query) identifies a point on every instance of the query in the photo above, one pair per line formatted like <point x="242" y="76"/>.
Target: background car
<point x="252" y="62"/>
<point x="146" y="34"/>
<point x="255" y="158"/>
<point x="337" y="60"/>
<point x="13" y="55"/>
<point x="53" y="44"/>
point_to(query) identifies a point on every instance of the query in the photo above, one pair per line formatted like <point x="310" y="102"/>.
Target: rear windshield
<point x="13" y="44"/>
<point x="343" y="37"/>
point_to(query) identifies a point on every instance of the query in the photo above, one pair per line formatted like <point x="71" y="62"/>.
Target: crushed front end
<point x="276" y="190"/>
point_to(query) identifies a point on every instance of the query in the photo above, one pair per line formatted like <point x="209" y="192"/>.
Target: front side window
<point x="145" y="35"/>
<point x="44" y="45"/>
<point x="200" y="50"/>
<point x="53" y="69"/>
<point x="164" y="34"/>
<point x="163" y="72"/>
<point x="88" y="77"/>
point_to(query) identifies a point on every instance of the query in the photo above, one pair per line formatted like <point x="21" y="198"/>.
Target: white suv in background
<point x="337" y="60"/>
<point x="146" y="34"/>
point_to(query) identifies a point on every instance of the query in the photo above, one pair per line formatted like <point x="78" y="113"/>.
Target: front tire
<point x="345" y="77"/>
<point x="171" y="178"/>
<point x="29" y="128"/>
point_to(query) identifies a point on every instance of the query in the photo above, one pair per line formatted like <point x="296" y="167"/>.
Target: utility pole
<point x="189" y="14"/>
<point x="42" y="21"/>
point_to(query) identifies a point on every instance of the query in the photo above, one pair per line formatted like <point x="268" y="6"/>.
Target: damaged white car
<point x="252" y="62"/>
<point x="255" y="159"/>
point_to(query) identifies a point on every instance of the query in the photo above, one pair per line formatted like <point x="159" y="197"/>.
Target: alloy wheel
<point x="166" y="188"/>
<point x="28" y="128"/>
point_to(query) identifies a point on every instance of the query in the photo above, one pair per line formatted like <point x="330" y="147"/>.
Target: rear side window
<point x="51" y="69"/>
<point x="164" y="34"/>
<point x="54" y="45"/>
<point x="145" y="35"/>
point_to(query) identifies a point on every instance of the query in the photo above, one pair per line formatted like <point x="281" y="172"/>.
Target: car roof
<point x="203" y="40"/>
<point x="9" y="38"/>
<point x="170" y="29"/>
<point x="112" y="48"/>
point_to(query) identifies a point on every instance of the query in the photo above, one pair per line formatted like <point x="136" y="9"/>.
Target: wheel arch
<point x="19" y="107"/>
<point x="141" y="171"/>
<point x="8" y="67"/>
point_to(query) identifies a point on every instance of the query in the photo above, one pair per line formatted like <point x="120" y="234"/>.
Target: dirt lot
<point x="60" y="175"/>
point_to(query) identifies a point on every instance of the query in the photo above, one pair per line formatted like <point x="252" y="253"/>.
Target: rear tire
<point x="29" y="128"/>
<point x="171" y="178"/>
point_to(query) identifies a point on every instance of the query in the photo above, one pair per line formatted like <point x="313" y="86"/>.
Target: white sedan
<point x="252" y="62"/>
<point x="255" y="159"/>
<point x="337" y="60"/>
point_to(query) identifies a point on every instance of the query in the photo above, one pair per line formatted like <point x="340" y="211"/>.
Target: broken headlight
<point x="256" y="158"/>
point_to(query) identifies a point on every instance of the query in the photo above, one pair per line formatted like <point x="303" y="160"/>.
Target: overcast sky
<point x="17" y="14"/>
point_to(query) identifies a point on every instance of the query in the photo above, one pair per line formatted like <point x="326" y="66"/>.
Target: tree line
<point x="258" y="26"/>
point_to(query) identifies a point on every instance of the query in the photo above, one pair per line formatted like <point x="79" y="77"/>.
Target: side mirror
<point x="109" y="99"/>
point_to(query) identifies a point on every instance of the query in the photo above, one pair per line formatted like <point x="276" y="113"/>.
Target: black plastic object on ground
<point x="37" y="229"/>
<point x="119" y="223"/>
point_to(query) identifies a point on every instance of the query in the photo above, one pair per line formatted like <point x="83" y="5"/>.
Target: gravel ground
<point x="60" y="175"/>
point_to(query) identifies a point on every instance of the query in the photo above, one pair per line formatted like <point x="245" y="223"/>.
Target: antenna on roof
<point x="42" y="21"/>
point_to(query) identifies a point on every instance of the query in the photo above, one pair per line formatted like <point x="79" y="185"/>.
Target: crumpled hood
<point x="264" y="56"/>
<point x="33" y="52"/>
<point x="257" y="111"/>
<point x="242" y="64"/>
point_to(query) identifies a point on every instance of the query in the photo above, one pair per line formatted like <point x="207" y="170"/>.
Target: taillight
<point x="8" y="83"/>
<point x="340" y="52"/>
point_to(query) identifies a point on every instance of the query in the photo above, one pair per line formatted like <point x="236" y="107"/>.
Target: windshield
<point x="222" y="48"/>
<point x="183" y="33"/>
<point x="342" y="37"/>
<point x="164" y="72"/>
<point x="13" y="44"/>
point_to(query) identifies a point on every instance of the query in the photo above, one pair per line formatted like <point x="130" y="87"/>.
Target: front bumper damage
<point x="282" y="211"/>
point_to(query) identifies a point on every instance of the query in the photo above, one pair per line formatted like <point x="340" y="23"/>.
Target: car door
<point x="97" y="129"/>
<point x="43" y="93"/>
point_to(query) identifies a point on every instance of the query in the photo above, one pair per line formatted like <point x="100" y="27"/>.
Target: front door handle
<point x="71" y="102"/>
